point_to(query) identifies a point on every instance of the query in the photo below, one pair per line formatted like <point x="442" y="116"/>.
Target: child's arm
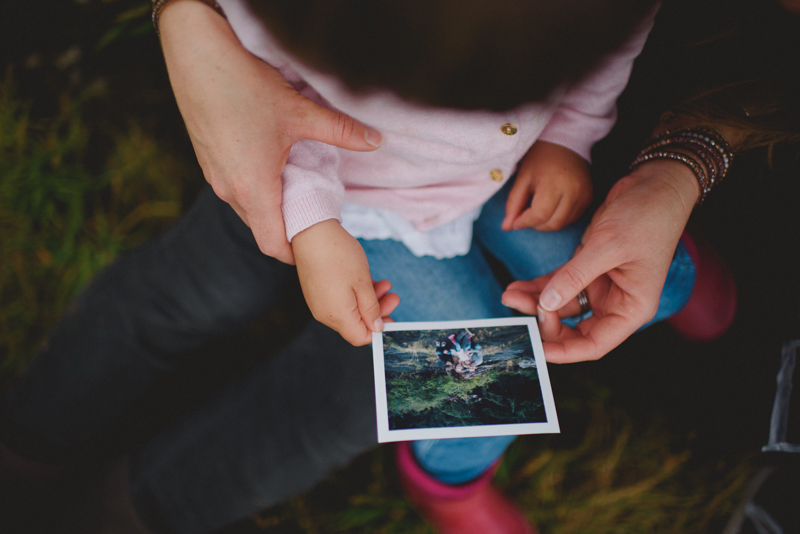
<point x="334" y="275"/>
<point x="558" y="180"/>
<point x="585" y="115"/>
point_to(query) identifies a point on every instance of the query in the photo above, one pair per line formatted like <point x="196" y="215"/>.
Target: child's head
<point x="492" y="54"/>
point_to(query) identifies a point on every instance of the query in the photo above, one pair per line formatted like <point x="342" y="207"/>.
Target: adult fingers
<point x="316" y="122"/>
<point x="549" y="324"/>
<point x="589" y="262"/>
<point x="270" y="234"/>
<point x="594" y="338"/>
<point x="523" y="296"/>
<point x="264" y="216"/>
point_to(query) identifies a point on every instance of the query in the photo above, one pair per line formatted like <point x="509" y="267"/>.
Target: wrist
<point x="676" y="176"/>
<point x="328" y="232"/>
<point x="703" y="150"/>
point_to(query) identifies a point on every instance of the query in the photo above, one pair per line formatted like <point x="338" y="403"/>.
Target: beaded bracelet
<point x="711" y="158"/>
<point x="710" y="141"/>
<point x="158" y="6"/>
<point x="711" y="163"/>
<point x="696" y="168"/>
<point x="709" y="154"/>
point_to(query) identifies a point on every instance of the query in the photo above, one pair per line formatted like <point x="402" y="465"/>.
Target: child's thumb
<point x="369" y="307"/>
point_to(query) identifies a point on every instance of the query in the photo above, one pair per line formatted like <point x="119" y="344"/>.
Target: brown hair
<point x="747" y="74"/>
<point x="493" y="54"/>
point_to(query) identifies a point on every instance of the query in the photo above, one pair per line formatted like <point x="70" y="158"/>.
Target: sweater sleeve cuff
<point x="310" y="209"/>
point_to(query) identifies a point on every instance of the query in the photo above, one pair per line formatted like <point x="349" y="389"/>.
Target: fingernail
<point x="541" y="314"/>
<point x="373" y="137"/>
<point x="377" y="326"/>
<point x="550" y="300"/>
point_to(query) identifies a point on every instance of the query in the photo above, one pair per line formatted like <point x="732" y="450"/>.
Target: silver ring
<point x="583" y="302"/>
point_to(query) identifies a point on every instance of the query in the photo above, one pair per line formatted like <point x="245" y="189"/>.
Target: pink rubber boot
<point x="473" y="508"/>
<point x="712" y="305"/>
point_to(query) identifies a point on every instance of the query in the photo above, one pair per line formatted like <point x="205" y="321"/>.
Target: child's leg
<point x="437" y="290"/>
<point x="463" y="287"/>
<point x="528" y="253"/>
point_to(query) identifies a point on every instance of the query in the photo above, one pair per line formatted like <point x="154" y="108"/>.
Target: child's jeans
<point x="465" y="287"/>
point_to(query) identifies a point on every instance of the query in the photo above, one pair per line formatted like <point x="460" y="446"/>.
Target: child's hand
<point x="334" y="275"/>
<point x="558" y="179"/>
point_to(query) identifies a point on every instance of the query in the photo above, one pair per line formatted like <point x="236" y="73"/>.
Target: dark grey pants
<point x="271" y="432"/>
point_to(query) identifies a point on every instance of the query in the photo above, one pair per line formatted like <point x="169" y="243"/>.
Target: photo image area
<point x="462" y="379"/>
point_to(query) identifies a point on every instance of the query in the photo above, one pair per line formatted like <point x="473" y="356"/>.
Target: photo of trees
<point x="424" y="390"/>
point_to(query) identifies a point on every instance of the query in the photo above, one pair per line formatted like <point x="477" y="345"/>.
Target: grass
<point x="616" y="478"/>
<point x="60" y="221"/>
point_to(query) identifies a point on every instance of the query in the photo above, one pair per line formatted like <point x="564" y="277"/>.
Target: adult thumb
<point x="335" y="128"/>
<point x="572" y="278"/>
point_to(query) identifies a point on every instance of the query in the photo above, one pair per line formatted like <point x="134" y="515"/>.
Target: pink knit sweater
<point x="435" y="164"/>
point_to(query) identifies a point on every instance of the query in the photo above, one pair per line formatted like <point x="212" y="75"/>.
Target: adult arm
<point x="243" y="118"/>
<point x="622" y="263"/>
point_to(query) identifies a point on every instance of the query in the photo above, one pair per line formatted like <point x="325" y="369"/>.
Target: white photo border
<point x="386" y="435"/>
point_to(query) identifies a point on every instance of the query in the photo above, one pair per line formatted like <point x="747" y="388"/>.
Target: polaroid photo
<point x="462" y="379"/>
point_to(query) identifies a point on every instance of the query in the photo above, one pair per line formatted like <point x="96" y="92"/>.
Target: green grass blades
<point x="60" y="222"/>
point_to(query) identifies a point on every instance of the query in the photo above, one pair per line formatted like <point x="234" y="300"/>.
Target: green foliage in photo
<point x="435" y="400"/>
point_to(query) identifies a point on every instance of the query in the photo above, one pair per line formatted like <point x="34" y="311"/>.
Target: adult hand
<point x="622" y="263"/>
<point x="243" y="118"/>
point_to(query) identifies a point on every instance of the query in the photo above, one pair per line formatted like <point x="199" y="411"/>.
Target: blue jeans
<point x="465" y="287"/>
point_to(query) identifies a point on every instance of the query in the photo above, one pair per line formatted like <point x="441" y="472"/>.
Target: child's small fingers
<point x="518" y="200"/>
<point x="369" y="308"/>
<point x="381" y="287"/>
<point x="560" y="218"/>
<point x="542" y="208"/>
<point x="388" y="303"/>
<point x="348" y="323"/>
<point x="528" y="219"/>
<point x="357" y="334"/>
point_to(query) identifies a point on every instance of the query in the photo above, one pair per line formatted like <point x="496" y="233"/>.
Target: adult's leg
<point x="270" y="434"/>
<point x="131" y="326"/>
<point x="463" y="287"/>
